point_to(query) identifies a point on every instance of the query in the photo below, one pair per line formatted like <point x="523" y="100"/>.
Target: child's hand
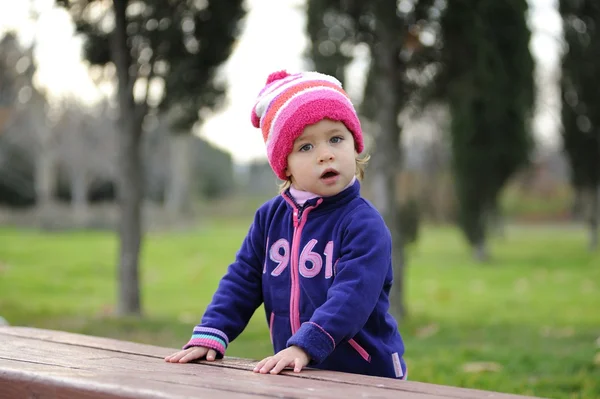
<point x="293" y="356"/>
<point x="193" y="353"/>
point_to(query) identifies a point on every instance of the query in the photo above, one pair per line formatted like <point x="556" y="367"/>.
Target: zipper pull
<point x="296" y="218"/>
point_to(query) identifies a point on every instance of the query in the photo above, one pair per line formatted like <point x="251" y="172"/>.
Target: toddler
<point x="318" y="256"/>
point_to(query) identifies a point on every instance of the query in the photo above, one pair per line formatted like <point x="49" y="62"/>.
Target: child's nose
<point x="325" y="154"/>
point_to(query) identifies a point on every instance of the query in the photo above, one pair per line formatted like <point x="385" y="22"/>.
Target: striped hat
<point x="288" y="103"/>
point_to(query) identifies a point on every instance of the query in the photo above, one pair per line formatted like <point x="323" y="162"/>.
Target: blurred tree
<point x="10" y="52"/>
<point x="25" y="137"/>
<point x="332" y="35"/>
<point x="213" y="168"/>
<point x="581" y="102"/>
<point x="210" y="167"/>
<point x="13" y="185"/>
<point x="487" y="81"/>
<point x="85" y="152"/>
<point x="166" y="55"/>
<point x="391" y="30"/>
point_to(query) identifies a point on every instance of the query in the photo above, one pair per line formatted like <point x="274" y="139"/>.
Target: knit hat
<point x="288" y="103"/>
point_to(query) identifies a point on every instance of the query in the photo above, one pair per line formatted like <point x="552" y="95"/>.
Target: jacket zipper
<point x="299" y="222"/>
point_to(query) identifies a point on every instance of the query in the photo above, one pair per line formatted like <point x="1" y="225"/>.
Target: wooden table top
<point x="37" y="363"/>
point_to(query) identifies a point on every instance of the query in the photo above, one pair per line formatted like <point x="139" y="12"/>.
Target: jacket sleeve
<point x="238" y="295"/>
<point x="364" y="263"/>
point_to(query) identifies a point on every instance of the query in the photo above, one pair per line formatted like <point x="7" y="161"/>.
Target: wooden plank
<point x="111" y="344"/>
<point x="30" y="380"/>
<point x="86" y="341"/>
<point x="135" y="371"/>
<point x="109" y="354"/>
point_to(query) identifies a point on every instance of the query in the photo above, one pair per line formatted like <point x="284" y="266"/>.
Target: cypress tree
<point x="581" y="102"/>
<point x="489" y="87"/>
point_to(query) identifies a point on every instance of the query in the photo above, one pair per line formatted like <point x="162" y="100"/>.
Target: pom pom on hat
<point x="290" y="102"/>
<point x="276" y="76"/>
<point x="272" y="77"/>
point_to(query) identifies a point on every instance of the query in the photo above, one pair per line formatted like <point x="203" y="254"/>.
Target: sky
<point x="267" y="44"/>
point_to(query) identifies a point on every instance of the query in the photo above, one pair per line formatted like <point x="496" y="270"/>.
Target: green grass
<point x="527" y="322"/>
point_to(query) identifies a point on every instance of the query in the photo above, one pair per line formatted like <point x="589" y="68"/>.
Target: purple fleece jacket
<point x="324" y="272"/>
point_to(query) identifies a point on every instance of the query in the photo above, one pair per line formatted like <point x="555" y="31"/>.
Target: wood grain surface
<point x="37" y="363"/>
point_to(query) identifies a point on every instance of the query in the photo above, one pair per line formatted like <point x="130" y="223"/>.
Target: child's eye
<point x="336" y="139"/>
<point x="305" y="147"/>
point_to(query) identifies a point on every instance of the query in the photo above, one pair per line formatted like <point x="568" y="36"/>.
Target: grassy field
<point x="527" y="322"/>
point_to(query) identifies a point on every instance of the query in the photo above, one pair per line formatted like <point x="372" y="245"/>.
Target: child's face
<point x="323" y="159"/>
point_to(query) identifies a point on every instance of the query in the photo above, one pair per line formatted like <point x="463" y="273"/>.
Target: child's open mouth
<point x="330" y="175"/>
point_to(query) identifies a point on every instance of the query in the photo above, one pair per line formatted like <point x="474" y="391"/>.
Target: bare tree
<point x="174" y="46"/>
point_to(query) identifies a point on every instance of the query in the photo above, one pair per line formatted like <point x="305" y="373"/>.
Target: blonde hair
<point x="361" y="165"/>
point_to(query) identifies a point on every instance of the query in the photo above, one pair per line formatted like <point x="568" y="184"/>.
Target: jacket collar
<point x="327" y="203"/>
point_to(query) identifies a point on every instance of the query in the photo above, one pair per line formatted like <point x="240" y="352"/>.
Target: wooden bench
<point x="38" y="363"/>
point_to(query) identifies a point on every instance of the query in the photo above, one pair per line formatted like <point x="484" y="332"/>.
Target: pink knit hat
<point x="289" y="103"/>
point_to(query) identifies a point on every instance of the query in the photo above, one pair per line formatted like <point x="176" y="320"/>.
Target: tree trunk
<point x="478" y="237"/>
<point x="386" y="161"/>
<point x="593" y="218"/>
<point x="45" y="178"/>
<point x="45" y="169"/>
<point x="130" y="229"/>
<point x="79" y="187"/>
<point x="130" y="180"/>
<point x="480" y="252"/>
<point x="79" y="157"/>
<point x="178" y="186"/>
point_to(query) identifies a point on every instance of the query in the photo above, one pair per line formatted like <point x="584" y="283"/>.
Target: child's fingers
<point x="269" y="364"/>
<point x="211" y="355"/>
<point x="298" y="364"/>
<point x="261" y="364"/>
<point x="174" y="358"/>
<point x="190" y="354"/>
<point x="280" y="365"/>
<point x="193" y="354"/>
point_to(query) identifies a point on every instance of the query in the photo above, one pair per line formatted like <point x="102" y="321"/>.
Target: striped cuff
<point x="209" y="338"/>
